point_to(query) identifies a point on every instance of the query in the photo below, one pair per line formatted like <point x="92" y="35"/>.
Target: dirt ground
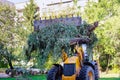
<point x="3" y="75"/>
<point x="104" y="75"/>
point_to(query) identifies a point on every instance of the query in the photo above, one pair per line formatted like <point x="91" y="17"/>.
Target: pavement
<point x="3" y="75"/>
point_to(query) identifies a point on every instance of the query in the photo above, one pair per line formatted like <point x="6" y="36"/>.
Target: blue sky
<point x="17" y="1"/>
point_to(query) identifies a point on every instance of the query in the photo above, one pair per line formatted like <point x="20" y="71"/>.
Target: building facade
<point x="52" y="7"/>
<point x="5" y="2"/>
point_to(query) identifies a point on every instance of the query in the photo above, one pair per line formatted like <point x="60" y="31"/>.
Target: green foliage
<point x="13" y="31"/>
<point x="6" y="37"/>
<point x="107" y="12"/>
<point x="117" y="60"/>
<point x="10" y="37"/>
<point x="9" y="28"/>
<point x="101" y="10"/>
<point x="6" y="56"/>
<point x="30" y="14"/>
<point x="48" y="42"/>
<point x="108" y="36"/>
<point x="7" y="24"/>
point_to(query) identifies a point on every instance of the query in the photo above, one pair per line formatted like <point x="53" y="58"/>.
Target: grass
<point x="37" y="77"/>
<point x="109" y="78"/>
<point x="43" y="77"/>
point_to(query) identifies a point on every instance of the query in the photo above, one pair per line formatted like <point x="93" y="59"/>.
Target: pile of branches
<point x="51" y="39"/>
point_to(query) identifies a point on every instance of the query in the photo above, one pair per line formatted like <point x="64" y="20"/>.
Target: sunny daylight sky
<point x="17" y="1"/>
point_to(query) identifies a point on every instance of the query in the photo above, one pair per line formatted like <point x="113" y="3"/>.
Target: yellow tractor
<point x="76" y="66"/>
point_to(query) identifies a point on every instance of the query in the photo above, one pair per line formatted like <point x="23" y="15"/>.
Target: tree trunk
<point x="108" y="61"/>
<point x="98" y="61"/>
<point x="10" y="64"/>
<point x="13" y="72"/>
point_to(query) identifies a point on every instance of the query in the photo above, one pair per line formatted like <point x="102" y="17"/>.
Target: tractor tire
<point x="96" y="71"/>
<point x="53" y="74"/>
<point x="86" y="73"/>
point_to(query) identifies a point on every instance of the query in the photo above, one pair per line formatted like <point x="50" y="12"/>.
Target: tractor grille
<point x="69" y="69"/>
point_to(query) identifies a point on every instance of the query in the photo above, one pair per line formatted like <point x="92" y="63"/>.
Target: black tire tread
<point x="96" y="71"/>
<point x="83" y="72"/>
<point x="52" y="72"/>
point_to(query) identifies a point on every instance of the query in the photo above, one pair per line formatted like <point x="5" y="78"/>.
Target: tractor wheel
<point x="96" y="71"/>
<point x="54" y="74"/>
<point x="86" y="73"/>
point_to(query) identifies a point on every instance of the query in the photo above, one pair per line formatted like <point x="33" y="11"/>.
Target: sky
<point x="17" y="1"/>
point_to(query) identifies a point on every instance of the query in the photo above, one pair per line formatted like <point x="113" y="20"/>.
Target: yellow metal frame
<point x="77" y="59"/>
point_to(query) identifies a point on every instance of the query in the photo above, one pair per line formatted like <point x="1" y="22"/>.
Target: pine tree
<point x="30" y="14"/>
